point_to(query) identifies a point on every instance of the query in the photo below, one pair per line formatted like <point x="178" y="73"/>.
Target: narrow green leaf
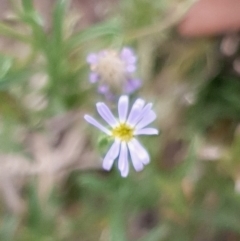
<point x="9" y="32"/>
<point x="13" y="77"/>
<point x="58" y="19"/>
<point x="110" y="28"/>
<point x="27" y="5"/>
<point x="5" y="65"/>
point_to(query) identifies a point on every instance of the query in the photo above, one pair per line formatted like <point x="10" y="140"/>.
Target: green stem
<point x="117" y="222"/>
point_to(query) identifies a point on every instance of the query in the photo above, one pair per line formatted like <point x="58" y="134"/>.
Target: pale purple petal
<point x="131" y="68"/>
<point x="92" y="58"/>
<point x="145" y="111"/>
<point x="123" y="157"/>
<point x="92" y="121"/>
<point x="146" y="131"/>
<point x="93" y="77"/>
<point x="125" y="171"/>
<point x="106" y="114"/>
<point x="135" y="111"/>
<point x="111" y="155"/>
<point x="147" y="119"/>
<point x="140" y="151"/>
<point x="137" y="163"/>
<point x="123" y="108"/>
<point x="132" y="85"/>
<point x="103" y="89"/>
<point x="110" y="96"/>
<point x="128" y="56"/>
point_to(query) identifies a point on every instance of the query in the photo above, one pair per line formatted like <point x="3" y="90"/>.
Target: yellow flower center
<point x="124" y="132"/>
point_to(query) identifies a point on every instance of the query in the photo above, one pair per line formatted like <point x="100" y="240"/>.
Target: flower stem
<point x="117" y="222"/>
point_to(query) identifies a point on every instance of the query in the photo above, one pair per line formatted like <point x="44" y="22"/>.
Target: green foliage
<point x="148" y="13"/>
<point x="109" y="30"/>
<point x="218" y="99"/>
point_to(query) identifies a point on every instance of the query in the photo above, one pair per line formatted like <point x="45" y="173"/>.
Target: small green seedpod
<point x="104" y="143"/>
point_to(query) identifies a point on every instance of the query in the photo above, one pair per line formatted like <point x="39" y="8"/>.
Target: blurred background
<point x="52" y="186"/>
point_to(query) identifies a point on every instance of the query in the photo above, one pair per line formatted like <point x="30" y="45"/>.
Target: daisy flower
<point x="113" y="71"/>
<point x="124" y="130"/>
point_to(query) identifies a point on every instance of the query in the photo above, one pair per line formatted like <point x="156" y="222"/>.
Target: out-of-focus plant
<point x="51" y="179"/>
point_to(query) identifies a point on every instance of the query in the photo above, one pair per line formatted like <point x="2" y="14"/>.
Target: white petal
<point x="147" y="119"/>
<point x="125" y="171"/>
<point x="92" y="121"/>
<point x="145" y="111"/>
<point x="140" y="151"/>
<point x="137" y="163"/>
<point x="123" y="157"/>
<point x="123" y="108"/>
<point x="146" y="131"/>
<point x="111" y="155"/>
<point x="135" y="111"/>
<point x="106" y="114"/>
